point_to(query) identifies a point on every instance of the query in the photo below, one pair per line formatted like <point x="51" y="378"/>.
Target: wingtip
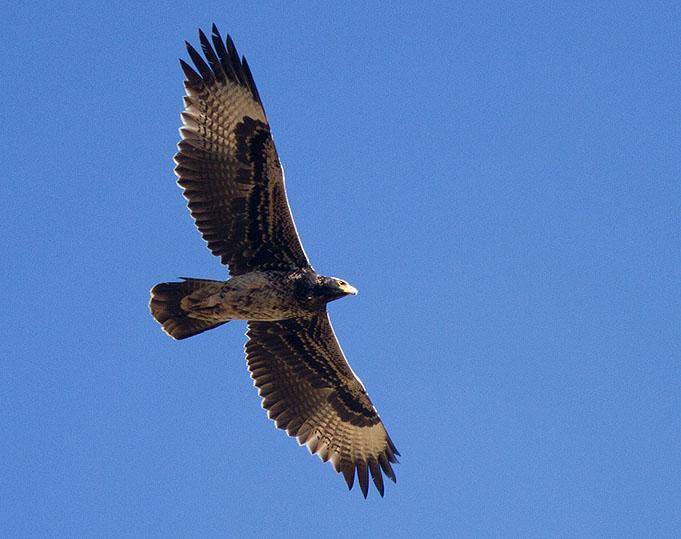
<point x="202" y="37"/>
<point x="192" y="76"/>
<point x="363" y="478"/>
<point x="349" y="476"/>
<point x="215" y="34"/>
<point x="386" y="467"/>
<point x="376" y="475"/>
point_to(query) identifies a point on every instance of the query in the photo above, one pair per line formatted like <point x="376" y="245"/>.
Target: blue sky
<point x="501" y="184"/>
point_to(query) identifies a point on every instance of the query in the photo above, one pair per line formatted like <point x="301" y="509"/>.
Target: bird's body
<point x="264" y="296"/>
<point x="234" y="184"/>
<point x="257" y="295"/>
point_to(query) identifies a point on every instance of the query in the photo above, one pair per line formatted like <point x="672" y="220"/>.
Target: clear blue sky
<point x="501" y="184"/>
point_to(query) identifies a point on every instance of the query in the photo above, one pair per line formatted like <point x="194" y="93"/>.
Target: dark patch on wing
<point x="315" y="353"/>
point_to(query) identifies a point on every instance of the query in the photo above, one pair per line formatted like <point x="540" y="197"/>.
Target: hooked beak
<point x="348" y="289"/>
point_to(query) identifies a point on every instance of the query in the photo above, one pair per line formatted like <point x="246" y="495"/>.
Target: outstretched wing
<point x="228" y="166"/>
<point x="311" y="392"/>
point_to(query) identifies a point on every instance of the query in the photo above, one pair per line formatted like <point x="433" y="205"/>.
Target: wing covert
<point x="228" y="166"/>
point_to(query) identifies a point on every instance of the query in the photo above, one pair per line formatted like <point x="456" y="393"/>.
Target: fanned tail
<point x="165" y="306"/>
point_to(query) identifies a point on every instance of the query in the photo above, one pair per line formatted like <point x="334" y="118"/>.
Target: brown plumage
<point x="229" y="169"/>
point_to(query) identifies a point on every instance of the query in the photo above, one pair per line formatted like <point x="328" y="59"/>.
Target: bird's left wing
<point x="311" y="392"/>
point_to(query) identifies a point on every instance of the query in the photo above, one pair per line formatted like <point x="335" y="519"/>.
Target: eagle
<point x="229" y="170"/>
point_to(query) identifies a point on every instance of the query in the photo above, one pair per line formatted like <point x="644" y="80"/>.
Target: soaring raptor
<point x="229" y="170"/>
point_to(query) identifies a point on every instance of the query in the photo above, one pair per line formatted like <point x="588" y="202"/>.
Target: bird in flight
<point x="233" y="181"/>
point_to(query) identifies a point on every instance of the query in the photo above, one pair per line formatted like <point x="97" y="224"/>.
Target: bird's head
<point x="331" y="288"/>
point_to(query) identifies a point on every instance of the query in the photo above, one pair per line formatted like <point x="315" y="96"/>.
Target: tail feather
<point x="166" y="309"/>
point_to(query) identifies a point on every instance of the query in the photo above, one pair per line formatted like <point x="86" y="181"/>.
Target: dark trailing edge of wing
<point x="223" y="64"/>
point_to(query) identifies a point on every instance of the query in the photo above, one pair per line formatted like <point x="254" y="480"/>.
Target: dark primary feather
<point x="228" y="165"/>
<point x="192" y="77"/>
<point x="311" y="392"/>
<point x="234" y="58"/>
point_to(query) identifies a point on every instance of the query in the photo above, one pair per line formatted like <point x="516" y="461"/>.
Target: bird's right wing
<point x="311" y="392"/>
<point x="229" y="168"/>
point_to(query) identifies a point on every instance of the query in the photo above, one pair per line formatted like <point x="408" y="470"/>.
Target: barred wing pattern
<point x="229" y="168"/>
<point x="311" y="392"/>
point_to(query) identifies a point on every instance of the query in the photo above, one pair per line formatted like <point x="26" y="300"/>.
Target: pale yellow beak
<point x="348" y="289"/>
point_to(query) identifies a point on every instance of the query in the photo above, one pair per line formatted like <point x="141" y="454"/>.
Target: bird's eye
<point x="342" y="283"/>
